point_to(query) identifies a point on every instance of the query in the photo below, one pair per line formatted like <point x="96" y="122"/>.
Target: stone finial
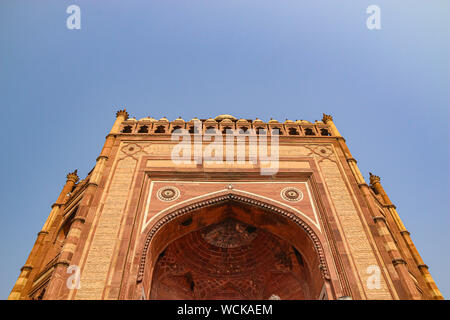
<point x="373" y="178"/>
<point x="122" y="113"/>
<point x="326" y="118"/>
<point x="73" y="176"/>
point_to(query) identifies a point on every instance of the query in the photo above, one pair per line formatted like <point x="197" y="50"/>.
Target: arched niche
<point x="296" y="240"/>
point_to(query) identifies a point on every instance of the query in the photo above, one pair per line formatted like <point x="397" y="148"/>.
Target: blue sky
<point x="387" y="89"/>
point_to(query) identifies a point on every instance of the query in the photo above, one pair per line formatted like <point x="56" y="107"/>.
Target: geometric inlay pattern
<point x="168" y="193"/>
<point x="291" y="194"/>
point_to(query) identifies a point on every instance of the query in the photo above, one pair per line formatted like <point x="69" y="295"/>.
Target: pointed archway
<point x="232" y="247"/>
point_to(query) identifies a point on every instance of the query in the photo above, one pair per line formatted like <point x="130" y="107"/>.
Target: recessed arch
<point x="179" y="222"/>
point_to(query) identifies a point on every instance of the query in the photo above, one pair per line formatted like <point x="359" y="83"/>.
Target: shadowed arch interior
<point x="232" y="250"/>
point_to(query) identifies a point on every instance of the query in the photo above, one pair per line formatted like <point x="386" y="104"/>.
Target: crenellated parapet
<point x="123" y="113"/>
<point x="374" y="179"/>
<point x="73" y="176"/>
<point x="326" y="118"/>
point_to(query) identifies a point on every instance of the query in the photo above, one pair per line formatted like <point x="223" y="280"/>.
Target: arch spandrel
<point x="312" y="221"/>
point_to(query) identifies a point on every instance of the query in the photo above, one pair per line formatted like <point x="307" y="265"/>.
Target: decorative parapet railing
<point x="150" y="126"/>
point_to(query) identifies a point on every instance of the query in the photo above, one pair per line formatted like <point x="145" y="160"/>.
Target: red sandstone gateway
<point x="143" y="226"/>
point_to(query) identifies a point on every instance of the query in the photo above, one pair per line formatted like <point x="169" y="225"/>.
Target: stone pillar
<point x="375" y="182"/>
<point x="390" y="246"/>
<point x="397" y="259"/>
<point x="121" y="116"/>
<point x="436" y="294"/>
<point x="32" y="265"/>
<point x="57" y="285"/>
<point x="329" y="121"/>
<point x="21" y="282"/>
<point x="72" y="179"/>
<point x="355" y="170"/>
<point x="393" y="254"/>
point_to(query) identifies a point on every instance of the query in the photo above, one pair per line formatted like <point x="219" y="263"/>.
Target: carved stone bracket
<point x="381" y="218"/>
<point x="398" y="261"/>
<point x="81" y="219"/>
<point x="26" y="267"/>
